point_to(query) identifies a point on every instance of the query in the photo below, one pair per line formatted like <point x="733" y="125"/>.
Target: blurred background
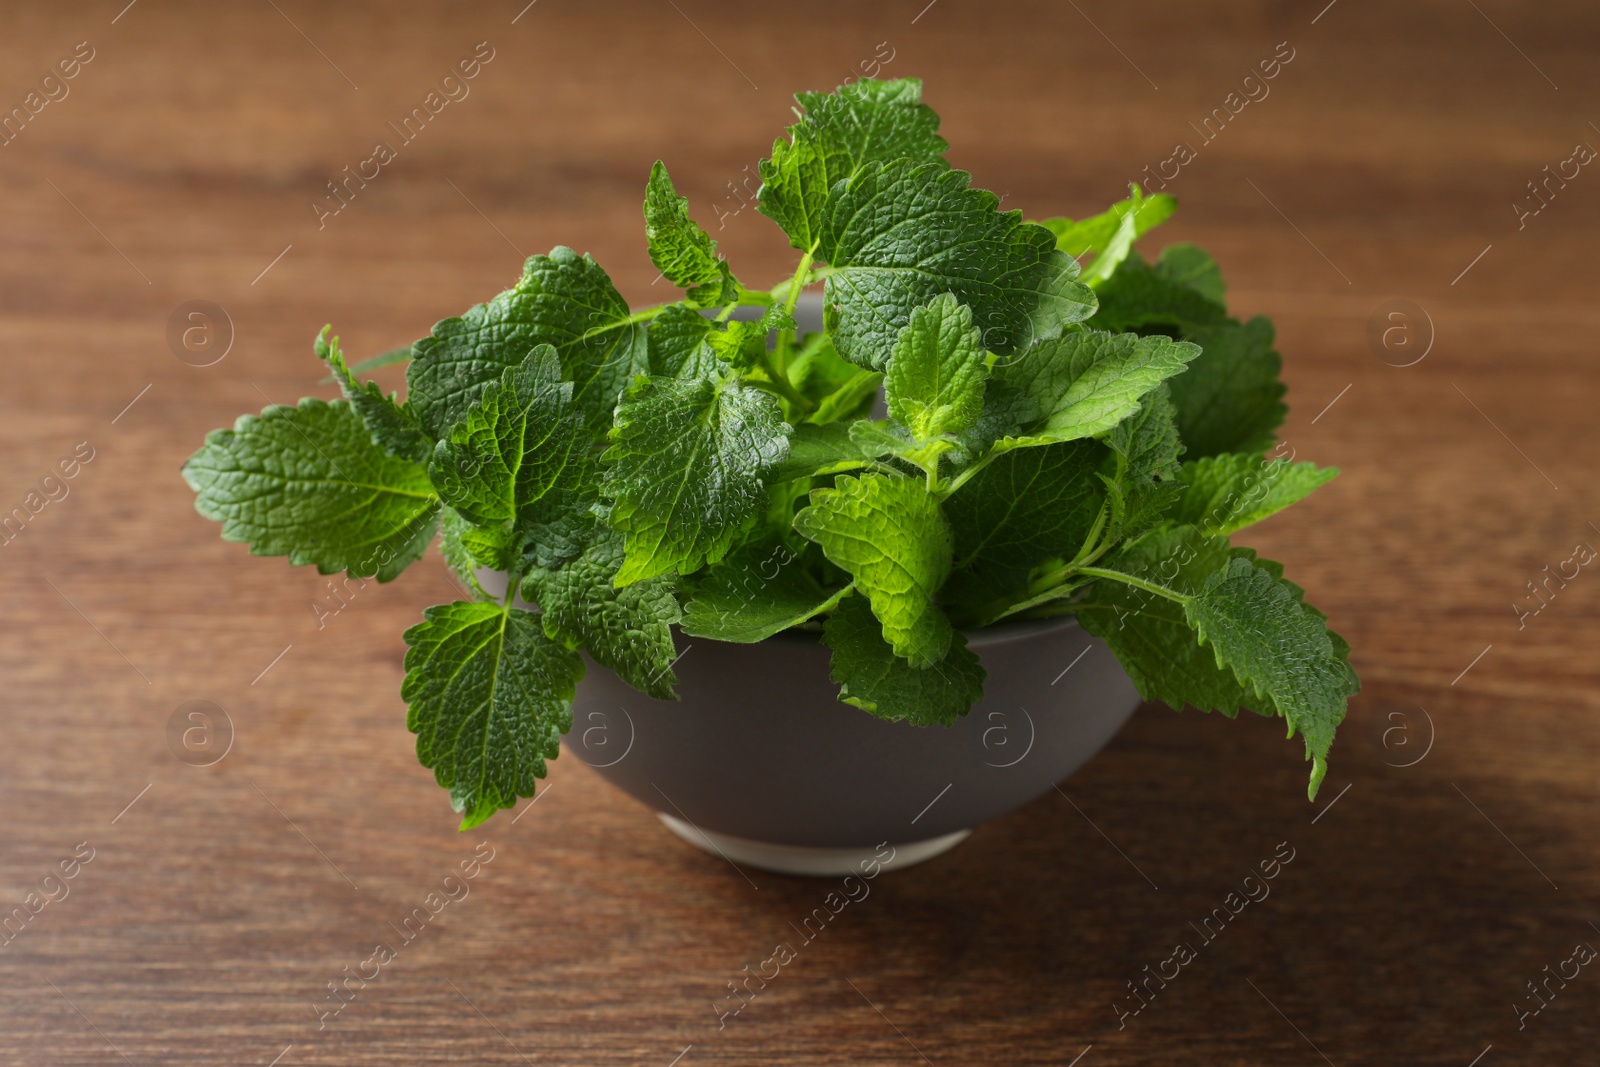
<point x="1425" y="160"/>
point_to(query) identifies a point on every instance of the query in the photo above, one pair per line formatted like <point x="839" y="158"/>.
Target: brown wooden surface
<point x="208" y="923"/>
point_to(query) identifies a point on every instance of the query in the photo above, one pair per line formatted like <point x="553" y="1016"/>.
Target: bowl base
<point x="803" y="860"/>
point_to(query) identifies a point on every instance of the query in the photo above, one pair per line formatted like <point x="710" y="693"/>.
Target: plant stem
<point x="781" y="385"/>
<point x="965" y="476"/>
<point x="638" y="316"/>
<point x="780" y="355"/>
<point x="781" y="290"/>
<point x="1138" y="583"/>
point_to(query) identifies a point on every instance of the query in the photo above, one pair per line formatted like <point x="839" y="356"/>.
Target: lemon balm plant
<point x="1053" y="439"/>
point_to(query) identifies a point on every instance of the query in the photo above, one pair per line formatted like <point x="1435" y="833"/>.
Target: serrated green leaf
<point x="901" y="234"/>
<point x="1005" y="409"/>
<point x="677" y="344"/>
<point x="850" y="400"/>
<point x="1341" y="647"/>
<point x="686" y="466"/>
<point x="936" y="376"/>
<point x="820" y="450"/>
<point x="1082" y="384"/>
<point x="815" y="366"/>
<point x="683" y="252"/>
<point x="393" y="426"/>
<point x="1094" y="235"/>
<point x="795" y="190"/>
<point x="1021" y="510"/>
<point x="1190" y="265"/>
<point x="517" y="461"/>
<point x="1151" y="636"/>
<point x="872" y="438"/>
<point x="1141" y="299"/>
<point x="1148" y="444"/>
<point x="744" y="344"/>
<point x="564" y="300"/>
<point x="1258" y="628"/>
<point x="1230" y="399"/>
<point x="1225" y="493"/>
<point x="454" y="532"/>
<point x="873" y="678"/>
<point x="490" y="696"/>
<point x="872" y="121"/>
<point x="628" y="630"/>
<point x="754" y="594"/>
<point x="308" y="482"/>
<point x="862" y="123"/>
<point x="890" y="535"/>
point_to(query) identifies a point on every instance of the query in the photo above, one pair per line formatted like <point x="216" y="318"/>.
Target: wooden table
<point x="1449" y="860"/>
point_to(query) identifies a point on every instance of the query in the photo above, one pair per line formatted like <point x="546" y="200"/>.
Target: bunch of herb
<point x="1052" y="438"/>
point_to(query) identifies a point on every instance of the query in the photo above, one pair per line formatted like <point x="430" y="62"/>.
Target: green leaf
<point x="1095" y="234"/>
<point x="519" y="459"/>
<point x="754" y="594"/>
<point x="1151" y="636"/>
<point x="677" y="344"/>
<point x="744" y="344"/>
<point x="1139" y="298"/>
<point x="872" y="677"/>
<point x="1341" y="647"/>
<point x="890" y="535"/>
<point x="685" y="468"/>
<point x="1230" y="399"/>
<point x="683" y="252"/>
<point x="1023" y="509"/>
<point x="795" y="190"/>
<point x="936" y="376"/>
<point x="454" y="535"/>
<point x="862" y="123"/>
<point x="564" y="300"/>
<point x="628" y="630"/>
<point x="309" y="483"/>
<point x="1229" y="492"/>
<point x="490" y="696"/>
<point x="851" y="400"/>
<point x="393" y="426"/>
<point x="871" y="121"/>
<point x="816" y="367"/>
<point x="1005" y="409"/>
<point x="1190" y="265"/>
<point x="820" y="450"/>
<point x="1148" y="446"/>
<point x="873" y="438"/>
<point x="901" y="234"/>
<point x="1083" y="384"/>
<point x="1279" y="650"/>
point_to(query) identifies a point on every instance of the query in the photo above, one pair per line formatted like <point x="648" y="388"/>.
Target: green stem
<point x="638" y="316"/>
<point x="1088" y="553"/>
<point x="780" y="354"/>
<point x="781" y="290"/>
<point x="1053" y="585"/>
<point x="781" y="386"/>
<point x="966" y="476"/>
<point x="1138" y="583"/>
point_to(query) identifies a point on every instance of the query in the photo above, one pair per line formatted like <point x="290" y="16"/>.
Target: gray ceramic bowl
<point x="759" y="762"/>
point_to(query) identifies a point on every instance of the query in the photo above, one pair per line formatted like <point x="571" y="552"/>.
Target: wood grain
<point x="218" y="907"/>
